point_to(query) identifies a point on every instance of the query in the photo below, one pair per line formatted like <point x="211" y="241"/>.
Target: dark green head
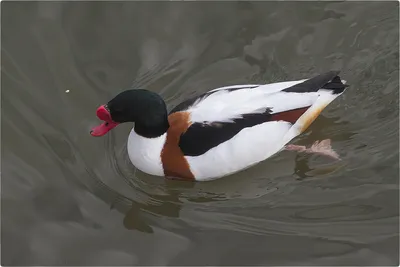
<point x="142" y="107"/>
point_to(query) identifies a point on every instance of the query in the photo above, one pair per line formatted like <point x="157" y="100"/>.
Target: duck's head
<point x="142" y="107"/>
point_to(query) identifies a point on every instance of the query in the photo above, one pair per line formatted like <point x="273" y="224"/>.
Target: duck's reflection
<point x="168" y="205"/>
<point x="301" y="167"/>
<point x="134" y="220"/>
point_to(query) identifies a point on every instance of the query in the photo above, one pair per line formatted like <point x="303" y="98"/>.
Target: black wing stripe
<point x="201" y="137"/>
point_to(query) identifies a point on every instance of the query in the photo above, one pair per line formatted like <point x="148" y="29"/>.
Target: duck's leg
<point x="319" y="147"/>
<point x="296" y="148"/>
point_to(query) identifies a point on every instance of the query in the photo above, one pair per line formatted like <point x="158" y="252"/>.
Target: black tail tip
<point x="336" y="85"/>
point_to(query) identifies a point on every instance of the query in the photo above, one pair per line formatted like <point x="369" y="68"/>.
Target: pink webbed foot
<point x="323" y="148"/>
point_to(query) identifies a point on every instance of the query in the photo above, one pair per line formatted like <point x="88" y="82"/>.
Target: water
<point x="71" y="199"/>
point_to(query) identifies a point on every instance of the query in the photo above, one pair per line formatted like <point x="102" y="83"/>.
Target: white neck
<point x="145" y="153"/>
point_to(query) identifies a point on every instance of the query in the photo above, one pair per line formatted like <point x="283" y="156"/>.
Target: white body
<point x="251" y="145"/>
<point x="145" y="153"/>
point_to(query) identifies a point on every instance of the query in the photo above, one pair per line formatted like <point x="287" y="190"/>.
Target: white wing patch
<point x="224" y="105"/>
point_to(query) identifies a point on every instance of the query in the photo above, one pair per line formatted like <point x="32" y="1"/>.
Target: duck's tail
<point x="336" y="85"/>
<point x="327" y="93"/>
<point x="329" y="80"/>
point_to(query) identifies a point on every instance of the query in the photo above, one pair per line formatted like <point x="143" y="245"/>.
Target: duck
<point x="222" y="131"/>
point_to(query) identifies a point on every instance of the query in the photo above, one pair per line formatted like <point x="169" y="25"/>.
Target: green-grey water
<point x="71" y="199"/>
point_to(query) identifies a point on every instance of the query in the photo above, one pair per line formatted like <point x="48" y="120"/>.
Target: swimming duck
<point x="222" y="131"/>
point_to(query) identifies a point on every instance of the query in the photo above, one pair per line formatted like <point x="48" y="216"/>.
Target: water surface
<point x="71" y="199"/>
